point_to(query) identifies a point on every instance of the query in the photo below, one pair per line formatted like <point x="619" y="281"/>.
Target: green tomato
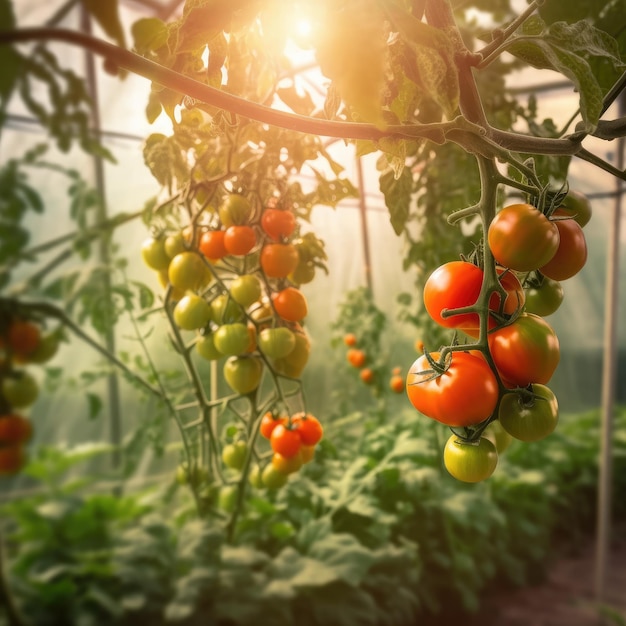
<point x="470" y="462"/>
<point x="224" y="310"/>
<point x="227" y="498"/>
<point x="272" y="478"/>
<point x="20" y="390"/>
<point x="154" y="255"/>
<point x="498" y="436"/>
<point x="234" y="454"/>
<point x="187" y="271"/>
<point x="529" y="415"/>
<point x="545" y="298"/>
<point x="243" y="373"/>
<point x="196" y="476"/>
<point x="294" y="363"/>
<point x="578" y="206"/>
<point x="277" y="343"/>
<point x="205" y="346"/>
<point x="232" y="339"/>
<point x="174" y="244"/>
<point x="255" y="477"/>
<point x="48" y="346"/>
<point x="246" y="290"/>
<point x="235" y="210"/>
<point x="192" y="312"/>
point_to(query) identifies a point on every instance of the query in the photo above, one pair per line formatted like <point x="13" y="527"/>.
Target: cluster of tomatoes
<point x="499" y="381"/>
<point x="235" y="283"/>
<point x="357" y="357"/>
<point x="22" y="343"/>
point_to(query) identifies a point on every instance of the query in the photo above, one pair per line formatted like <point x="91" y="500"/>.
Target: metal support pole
<point x="609" y="367"/>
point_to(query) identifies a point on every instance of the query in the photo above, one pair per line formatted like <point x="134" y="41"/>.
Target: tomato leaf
<point x="397" y="192"/>
<point x="108" y="18"/>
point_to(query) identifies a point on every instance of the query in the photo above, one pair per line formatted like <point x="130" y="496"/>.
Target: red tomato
<point x="278" y="260"/>
<point x="525" y="351"/>
<point x="269" y="421"/>
<point x="212" y="244"/>
<point x="308" y="427"/>
<point x="356" y="357"/>
<point x="239" y="240"/>
<point x="522" y="238"/>
<point x="290" y="304"/>
<point x="465" y="393"/>
<point x="286" y="441"/>
<point x="277" y="223"/>
<point x="571" y="254"/>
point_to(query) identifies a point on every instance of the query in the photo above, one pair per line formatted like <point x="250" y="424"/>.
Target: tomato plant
<point x="525" y="351"/>
<point x="522" y="238"/>
<point x="461" y="392"/>
<point x="356" y="357"/>
<point x="470" y="462"/>
<point x="529" y="414"/>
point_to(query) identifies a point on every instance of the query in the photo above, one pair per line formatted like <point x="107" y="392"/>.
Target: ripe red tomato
<point x="12" y="459"/>
<point x="470" y="462"/>
<point x="308" y="427"/>
<point x="278" y="223"/>
<point x="571" y="254"/>
<point x="529" y="416"/>
<point x="15" y="429"/>
<point x="239" y="240"/>
<point x="285" y="440"/>
<point x="278" y="260"/>
<point x="356" y="357"/>
<point x="544" y="298"/>
<point x="522" y="238"/>
<point x="367" y="375"/>
<point x="525" y="351"/>
<point x="269" y="421"/>
<point x="212" y="244"/>
<point x="23" y="337"/>
<point x="290" y="304"/>
<point x="465" y="394"/>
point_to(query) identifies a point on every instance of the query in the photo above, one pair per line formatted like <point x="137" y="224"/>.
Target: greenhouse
<point x="310" y="312"/>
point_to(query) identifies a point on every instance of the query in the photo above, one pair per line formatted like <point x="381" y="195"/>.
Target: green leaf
<point x="108" y="18"/>
<point x="149" y="34"/>
<point x="349" y="560"/>
<point x="397" y="193"/>
<point x="95" y="405"/>
<point x="302" y="571"/>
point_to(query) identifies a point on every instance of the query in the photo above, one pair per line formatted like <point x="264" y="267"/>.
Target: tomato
<point x="227" y="498"/>
<point x="245" y="289"/>
<point x="307" y="453"/>
<point x="15" y="429"/>
<point x="194" y="476"/>
<point x="577" y="205"/>
<point x="153" y="253"/>
<point x="522" y="238"/>
<point x="526" y="351"/>
<point x="419" y="346"/>
<point x="224" y="310"/>
<point x="290" y="304"/>
<point x="303" y="274"/>
<point x="243" y="373"/>
<point x="498" y="436"/>
<point x="287" y="465"/>
<point x="396" y="383"/>
<point x="205" y="346"/>
<point x="174" y="244"/>
<point x="272" y="478"/>
<point x="20" y="390"/>
<point x="544" y="298"/>
<point x="235" y="209"/>
<point x="187" y="270"/>
<point x="465" y="393"/>
<point x="571" y="254"/>
<point x="285" y="440"/>
<point x="12" y="459"/>
<point x="529" y="416"/>
<point x="457" y="284"/>
<point x="278" y="224"/>
<point x="239" y="240"/>
<point x="269" y="421"/>
<point x="350" y="339"/>
<point x="252" y="337"/>
<point x="175" y="293"/>
<point x="470" y="462"/>
<point x="255" y="478"/>
<point x="276" y="343"/>
<point x="192" y="312"/>
<point x="232" y="339"/>
<point x="294" y="363"/>
<point x="278" y="260"/>
<point x="367" y="375"/>
<point x="46" y="349"/>
<point x="356" y="357"/>
<point x="308" y="427"/>
<point x="212" y="244"/>
<point x="23" y="337"/>
<point x="234" y="454"/>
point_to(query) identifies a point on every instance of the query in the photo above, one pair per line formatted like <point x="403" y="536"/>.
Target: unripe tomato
<point x="571" y="254"/>
<point x="294" y="363"/>
<point x="227" y="498"/>
<point x="187" y="271"/>
<point x="276" y="343"/>
<point x="232" y="339"/>
<point x="498" y="436"/>
<point x="255" y="478"/>
<point x="234" y="454"/>
<point x="307" y="453"/>
<point x="192" y="312"/>
<point x="278" y="260"/>
<point x="239" y="240"/>
<point x="20" y="390"/>
<point x="529" y="416"/>
<point x="290" y="304"/>
<point x="278" y="224"/>
<point x="577" y="205"/>
<point x="205" y="346"/>
<point x="46" y="349"/>
<point x="303" y="274"/>
<point x="243" y="374"/>
<point x="522" y="238"/>
<point x="224" y="310"/>
<point x="246" y="289"/>
<point x="526" y="351"/>
<point x="272" y="478"/>
<point x="174" y="244"/>
<point x="153" y="253"/>
<point x="470" y="462"/>
<point x="287" y="465"/>
<point x="545" y="298"/>
<point x="235" y="209"/>
<point x="466" y="393"/>
<point x="212" y="244"/>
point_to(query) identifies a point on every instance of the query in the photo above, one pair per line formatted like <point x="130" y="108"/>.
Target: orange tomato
<point x="356" y="357"/>
<point x="278" y="260"/>
<point x="290" y="304"/>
